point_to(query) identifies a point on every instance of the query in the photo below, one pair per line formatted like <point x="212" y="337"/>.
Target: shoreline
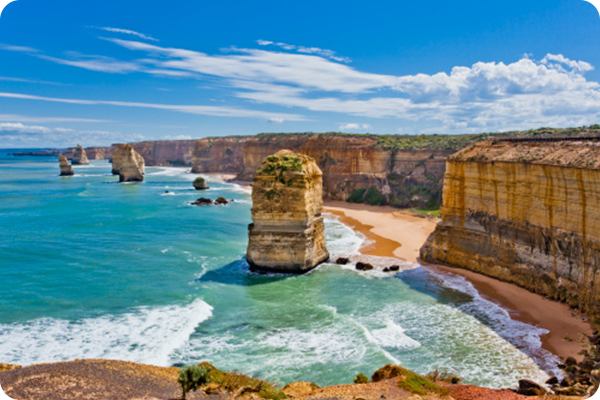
<point x="387" y="227"/>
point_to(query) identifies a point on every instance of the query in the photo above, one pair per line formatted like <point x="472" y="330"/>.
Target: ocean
<point x="90" y="268"/>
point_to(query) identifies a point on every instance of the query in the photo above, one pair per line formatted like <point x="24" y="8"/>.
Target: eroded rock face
<point x="128" y="164"/>
<point x="526" y="213"/>
<point x="65" y="168"/>
<point x="287" y="233"/>
<point x="79" y="156"/>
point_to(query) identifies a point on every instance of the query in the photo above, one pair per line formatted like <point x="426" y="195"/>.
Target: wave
<point x="145" y="334"/>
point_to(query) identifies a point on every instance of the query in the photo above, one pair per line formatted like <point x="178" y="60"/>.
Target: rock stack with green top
<point x="200" y="184"/>
<point x="287" y="233"/>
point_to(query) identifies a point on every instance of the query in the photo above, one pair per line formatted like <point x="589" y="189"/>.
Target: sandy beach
<point x="400" y="233"/>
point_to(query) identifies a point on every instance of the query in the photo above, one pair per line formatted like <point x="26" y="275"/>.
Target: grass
<point x="427" y="213"/>
<point x="409" y="380"/>
<point x="233" y="381"/>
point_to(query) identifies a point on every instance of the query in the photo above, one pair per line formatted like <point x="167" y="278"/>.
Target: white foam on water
<point x="145" y="334"/>
<point x="169" y="171"/>
<point x="525" y="336"/>
<point x="341" y="240"/>
<point x="394" y="336"/>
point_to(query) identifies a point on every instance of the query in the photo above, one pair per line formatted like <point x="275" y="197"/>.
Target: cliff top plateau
<point x="584" y="153"/>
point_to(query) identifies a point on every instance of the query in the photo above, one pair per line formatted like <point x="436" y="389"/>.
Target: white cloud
<point x="127" y="32"/>
<point x="95" y="63"/>
<point x="308" y="50"/>
<point x="23" y="118"/>
<point x="21" y="49"/>
<point x="354" y="127"/>
<point x="217" y="111"/>
<point x="21" y="135"/>
<point x="276" y="121"/>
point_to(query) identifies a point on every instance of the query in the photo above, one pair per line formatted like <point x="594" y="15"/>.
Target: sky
<point x="102" y="72"/>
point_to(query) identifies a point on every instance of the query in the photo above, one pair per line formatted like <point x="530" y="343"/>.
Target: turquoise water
<point x="91" y="268"/>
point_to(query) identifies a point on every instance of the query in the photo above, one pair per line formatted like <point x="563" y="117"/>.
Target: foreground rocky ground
<point x="120" y="380"/>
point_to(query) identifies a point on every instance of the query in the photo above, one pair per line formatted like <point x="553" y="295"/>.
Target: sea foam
<point x="145" y="334"/>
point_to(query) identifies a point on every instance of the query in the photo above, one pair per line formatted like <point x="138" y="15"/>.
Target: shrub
<point x="361" y="378"/>
<point x="374" y="197"/>
<point x="358" y="196"/>
<point x="192" y="377"/>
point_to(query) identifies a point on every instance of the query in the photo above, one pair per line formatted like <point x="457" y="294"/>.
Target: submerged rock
<point x="342" y="261"/>
<point x="79" y="156"/>
<point x="221" y="201"/>
<point x="128" y="164"/>
<point x="203" y="201"/>
<point x="200" y="184"/>
<point x="287" y="233"/>
<point x="65" y="168"/>
<point x="361" y="266"/>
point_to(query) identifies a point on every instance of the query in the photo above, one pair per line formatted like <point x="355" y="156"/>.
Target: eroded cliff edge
<point x="526" y="212"/>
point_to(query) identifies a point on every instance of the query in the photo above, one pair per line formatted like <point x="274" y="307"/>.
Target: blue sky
<point x="100" y="72"/>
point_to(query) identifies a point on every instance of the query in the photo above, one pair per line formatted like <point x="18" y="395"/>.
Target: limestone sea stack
<point x="128" y="164"/>
<point x="65" y="168"/>
<point x="287" y="233"/>
<point x="79" y="156"/>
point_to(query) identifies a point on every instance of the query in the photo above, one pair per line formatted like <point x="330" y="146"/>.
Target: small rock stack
<point x="287" y="233"/>
<point x="79" y="156"/>
<point x="65" y="168"/>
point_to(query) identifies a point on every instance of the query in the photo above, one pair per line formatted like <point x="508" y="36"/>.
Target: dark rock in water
<point x="342" y="261"/>
<point x="552" y="381"/>
<point x="221" y="201"/>
<point x="202" y="201"/>
<point x="395" y="268"/>
<point x="530" y="388"/>
<point x="570" y="361"/>
<point x="166" y="191"/>
<point x="200" y="184"/>
<point x="361" y="266"/>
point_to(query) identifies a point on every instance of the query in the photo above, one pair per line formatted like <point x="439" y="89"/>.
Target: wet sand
<point x="400" y="233"/>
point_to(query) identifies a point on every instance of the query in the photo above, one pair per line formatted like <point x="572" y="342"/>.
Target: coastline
<point x="387" y="227"/>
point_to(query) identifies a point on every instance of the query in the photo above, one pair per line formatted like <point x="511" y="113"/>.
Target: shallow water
<point x="92" y="268"/>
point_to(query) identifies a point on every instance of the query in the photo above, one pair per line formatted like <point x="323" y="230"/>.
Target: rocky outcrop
<point x="223" y="154"/>
<point x="127" y="163"/>
<point x="79" y="156"/>
<point x="65" y="168"/>
<point x="525" y="212"/>
<point x="200" y="184"/>
<point x="287" y="233"/>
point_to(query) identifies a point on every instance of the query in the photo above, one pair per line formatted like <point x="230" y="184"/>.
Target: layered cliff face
<point x="166" y="152"/>
<point x="287" y="233"/>
<point x="79" y="156"/>
<point x="527" y="213"/>
<point x="127" y="163"/>
<point x="352" y="164"/>
<point x="65" y="168"/>
<point x="223" y="154"/>
<point x="98" y="153"/>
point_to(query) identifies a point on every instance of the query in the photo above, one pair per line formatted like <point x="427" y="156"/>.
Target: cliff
<point x="166" y="152"/>
<point x="287" y="231"/>
<point x="79" y="156"/>
<point x="127" y="163"/>
<point x="351" y="164"/>
<point x="98" y="153"/>
<point x="223" y="154"/>
<point x="527" y="212"/>
<point x="65" y="168"/>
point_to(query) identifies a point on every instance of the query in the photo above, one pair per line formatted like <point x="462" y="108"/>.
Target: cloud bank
<point x="485" y="96"/>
